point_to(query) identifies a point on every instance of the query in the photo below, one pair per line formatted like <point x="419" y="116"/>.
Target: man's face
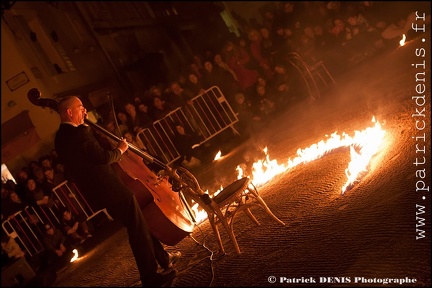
<point x="77" y="112"/>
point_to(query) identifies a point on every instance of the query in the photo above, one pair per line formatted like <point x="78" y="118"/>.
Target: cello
<point x="168" y="215"/>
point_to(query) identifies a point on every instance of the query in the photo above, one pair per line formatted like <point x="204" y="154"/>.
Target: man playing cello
<point x="88" y="165"/>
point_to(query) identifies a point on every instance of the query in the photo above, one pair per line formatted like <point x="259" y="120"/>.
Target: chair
<point x="322" y="76"/>
<point x="240" y="195"/>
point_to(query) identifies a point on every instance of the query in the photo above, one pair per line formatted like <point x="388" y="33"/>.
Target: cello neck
<point x="134" y="149"/>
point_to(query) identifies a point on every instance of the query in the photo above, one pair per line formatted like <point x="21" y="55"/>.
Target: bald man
<point x="87" y="164"/>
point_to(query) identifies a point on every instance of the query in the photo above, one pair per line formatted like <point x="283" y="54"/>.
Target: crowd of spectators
<point x="30" y="203"/>
<point x="341" y="34"/>
<point x="251" y="72"/>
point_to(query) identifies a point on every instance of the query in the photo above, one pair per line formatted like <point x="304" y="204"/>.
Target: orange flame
<point x="402" y="41"/>
<point x="366" y="142"/>
<point x="218" y="156"/>
<point x="75" y="257"/>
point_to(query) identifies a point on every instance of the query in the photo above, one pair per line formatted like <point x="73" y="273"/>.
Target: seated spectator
<point x="136" y="123"/>
<point x="246" y="77"/>
<point x="44" y="199"/>
<point x="177" y="96"/>
<point x="248" y="119"/>
<point x="75" y="228"/>
<point x="109" y="124"/>
<point x="284" y="93"/>
<point x="16" y="204"/>
<point x="223" y="65"/>
<point x="11" y="247"/>
<point x="216" y="76"/>
<point x="160" y="108"/>
<point x="134" y="140"/>
<point x="187" y="144"/>
<point x="45" y="161"/>
<point x="21" y="186"/>
<point x="194" y="84"/>
<point x="53" y="178"/>
<point x="124" y="122"/>
<point x="54" y="243"/>
<point x="265" y="105"/>
<point x="144" y="114"/>
<point x="256" y="48"/>
<point x="38" y="175"/>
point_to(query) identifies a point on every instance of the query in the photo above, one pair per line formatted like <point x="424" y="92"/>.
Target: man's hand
<point x="122" y="146"/>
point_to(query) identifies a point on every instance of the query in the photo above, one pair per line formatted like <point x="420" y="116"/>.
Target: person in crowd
<point x="139" y="119"/>
<point x="219" y="62"/>
<point x="256" y="48"/>
<point x="177" y="96"/>
<point x="187" y="144"/>
<point x="134" y="140"/>
<point x="53" y="177"/>
<point x="245" y="54"/>
<point x="44" y="200"/>
<point x="54" y="243"/>
<point x="21" y="186"/>
<point x="216" y="76"/>
<point x="249" y="121"/>
<point x="265" y="105"/>
<point x="75" y="228"/>
<point x="10" y="247"/>
<point x="160" y="108"/>
<point x="247" y="78"/>
<point x="45" y="161"/>
<point x="143" y="112"/>
<point x="88" y="164"/>
<point x="109" y="124"/>
<point x="195" y="84"/>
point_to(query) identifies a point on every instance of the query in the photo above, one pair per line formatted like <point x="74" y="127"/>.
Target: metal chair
<point x="240" y="195"/>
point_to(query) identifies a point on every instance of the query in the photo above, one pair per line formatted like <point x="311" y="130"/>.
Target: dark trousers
<point x="147" y="250"/>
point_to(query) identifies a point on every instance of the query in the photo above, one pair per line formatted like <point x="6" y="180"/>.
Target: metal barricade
<point x="27" y="226"/>
<point x="26" y="230"/>
<point x="68" y="194"/>
<point x="209" y="115"/>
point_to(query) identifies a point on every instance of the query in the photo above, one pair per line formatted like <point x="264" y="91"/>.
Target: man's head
<point x="72" y="110"/>
<point x="49" y="229"/>
<point x="67" y="215"/>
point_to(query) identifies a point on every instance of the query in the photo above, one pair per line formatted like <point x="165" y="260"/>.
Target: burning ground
<point x="372" y="230"/>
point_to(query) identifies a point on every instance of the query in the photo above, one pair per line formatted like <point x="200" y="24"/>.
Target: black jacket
<point x="87" y="164"/>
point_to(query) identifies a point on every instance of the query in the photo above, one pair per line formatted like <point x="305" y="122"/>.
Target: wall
<point x="45" y="122"/>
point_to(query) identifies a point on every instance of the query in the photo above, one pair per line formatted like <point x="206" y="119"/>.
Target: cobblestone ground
<point x="368" y="232"/>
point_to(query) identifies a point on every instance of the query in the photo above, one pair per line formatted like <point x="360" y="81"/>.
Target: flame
<point x="218" y="156"/>
<point x="402" y="42"/>
<point x="366" y="141"/>
<point x="363" y="146"/>
<point x="75" y="257"/>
